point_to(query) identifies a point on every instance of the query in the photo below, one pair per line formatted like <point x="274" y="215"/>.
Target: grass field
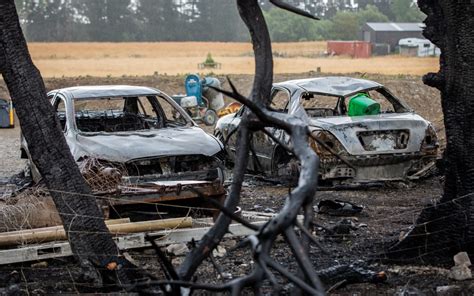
<point x="117" y="59"/>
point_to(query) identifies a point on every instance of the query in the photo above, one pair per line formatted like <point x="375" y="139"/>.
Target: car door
<point x="229" y="133"/>
<point x="262" y="144"/>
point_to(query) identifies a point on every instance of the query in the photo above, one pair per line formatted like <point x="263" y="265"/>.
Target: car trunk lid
<point x="376" y="134"/>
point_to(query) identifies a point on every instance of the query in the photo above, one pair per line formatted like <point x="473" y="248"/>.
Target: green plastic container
<point x="361" y="104"/>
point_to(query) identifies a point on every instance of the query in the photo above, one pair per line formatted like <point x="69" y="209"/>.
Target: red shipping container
<point x="355" y="49"/>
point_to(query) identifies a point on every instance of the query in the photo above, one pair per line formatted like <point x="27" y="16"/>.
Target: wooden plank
<point x="131" y="241"/>
<point x="58" y="233"/>
<point x="60" y="227"/>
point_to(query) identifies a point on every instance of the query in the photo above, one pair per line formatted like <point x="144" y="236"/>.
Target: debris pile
<point x="102" y="177"/>
<point x="31" y="208"/>
<point x="461" y="270"/>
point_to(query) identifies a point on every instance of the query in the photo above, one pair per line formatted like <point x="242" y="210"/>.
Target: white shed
<point x="418" y="47"/>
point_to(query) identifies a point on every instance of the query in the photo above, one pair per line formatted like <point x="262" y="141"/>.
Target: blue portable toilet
<point x="6" y="114"/>
<point x="193" y="87"/>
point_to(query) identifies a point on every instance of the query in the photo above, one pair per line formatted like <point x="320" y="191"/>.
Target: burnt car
<point x="362" y="133"/>
<point x="136" y="143"/>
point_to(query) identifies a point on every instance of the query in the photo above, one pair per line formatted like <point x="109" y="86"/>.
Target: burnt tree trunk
<point x="83" y="221"/>
<point x="448" y="227"/>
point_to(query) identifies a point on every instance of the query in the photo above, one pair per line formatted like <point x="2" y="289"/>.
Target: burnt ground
<point x="387" y="212"/>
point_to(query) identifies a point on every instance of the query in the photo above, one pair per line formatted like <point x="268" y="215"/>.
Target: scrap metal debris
<point x="461" y="270"/>
<point x="343" y="227"/>
<point x="337" y="208"/>
<point x="357" y="272"/>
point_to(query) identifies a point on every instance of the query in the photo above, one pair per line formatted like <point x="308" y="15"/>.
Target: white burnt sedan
<point x="363" y="133"/>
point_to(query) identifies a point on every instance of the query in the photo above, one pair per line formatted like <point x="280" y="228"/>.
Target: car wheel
<point x="210" y="117"/>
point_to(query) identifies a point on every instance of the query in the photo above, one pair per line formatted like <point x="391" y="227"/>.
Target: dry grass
<point x="117" y="59"/>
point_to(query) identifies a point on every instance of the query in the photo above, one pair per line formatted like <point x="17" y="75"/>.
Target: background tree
<point x="107" y="20"/>
<point x="285" y="26"/>
<point x="198" y="20"/>
<point x="218" y="21"/>
<point x="447" y="227"/>
<point x="384" y="6"/>
<point x="406" y="11"/>
<point x="56" y="15"/>
<point x="346" y="25"/>
<point x="159" y="20"/>
<point x="83" y="221"/>
<point x="371" y="14"/>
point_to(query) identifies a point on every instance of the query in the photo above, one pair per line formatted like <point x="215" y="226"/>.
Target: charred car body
<point x="392" y="143"/>
<point x="137" y="143"/>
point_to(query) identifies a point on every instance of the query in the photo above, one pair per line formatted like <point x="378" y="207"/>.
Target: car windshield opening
<point x="126" y="114"/>
<point x="366" y="102"/>
<point x="319" y="105"/>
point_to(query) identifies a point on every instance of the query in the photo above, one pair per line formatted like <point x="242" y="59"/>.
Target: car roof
<point x="98" y="91"/>
<point x="335" y="85"/>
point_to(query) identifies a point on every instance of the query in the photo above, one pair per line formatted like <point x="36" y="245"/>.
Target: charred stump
<point x="83" y="221"/>
<point x="447" y="227"/>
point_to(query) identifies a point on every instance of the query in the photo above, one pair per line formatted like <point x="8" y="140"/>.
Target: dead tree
<point x="257" y="117"/>
<point x="83" y="221"/>
<point x="448" y="226"/>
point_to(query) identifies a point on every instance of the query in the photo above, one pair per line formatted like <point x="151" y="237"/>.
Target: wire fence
<point x="35" y="197"/>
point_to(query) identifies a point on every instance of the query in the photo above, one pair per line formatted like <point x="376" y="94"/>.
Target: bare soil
<point x="387" y="213"/>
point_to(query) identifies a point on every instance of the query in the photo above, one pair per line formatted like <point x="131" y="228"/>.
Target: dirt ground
<point x="387" y="212"/>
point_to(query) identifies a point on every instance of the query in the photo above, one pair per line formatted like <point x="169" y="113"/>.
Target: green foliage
<point x="347" y="25"/>
<point x="209" y="60"/>
<point x="406" y="11"/>
<point x="371" y="14"/>
<point x="344" y="25"/>
<point x="286" y="26"/>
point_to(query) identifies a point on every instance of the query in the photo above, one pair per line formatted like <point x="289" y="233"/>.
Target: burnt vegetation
<point x="440" y="232"/>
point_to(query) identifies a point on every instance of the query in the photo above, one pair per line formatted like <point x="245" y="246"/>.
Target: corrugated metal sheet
<point x="388" y="27"/>
<point x="355" y="49"/>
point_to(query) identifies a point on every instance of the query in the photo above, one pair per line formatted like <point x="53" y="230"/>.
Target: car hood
<point x="126" y="146"/>
<point x="346" y="130"/>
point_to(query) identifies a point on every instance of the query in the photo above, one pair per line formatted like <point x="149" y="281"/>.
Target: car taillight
<point x="324" y="143"/>
<point x="430" y="142"/>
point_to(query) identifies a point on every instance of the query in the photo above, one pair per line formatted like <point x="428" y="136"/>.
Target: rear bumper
<point x="376" y="168"/>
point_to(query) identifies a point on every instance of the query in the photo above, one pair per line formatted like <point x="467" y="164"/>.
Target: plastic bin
<point x="361" y="104"/>
<point x="6" y="114"/>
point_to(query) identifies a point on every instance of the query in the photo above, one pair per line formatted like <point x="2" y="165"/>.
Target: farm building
<point x="391" y="33"/>
<point x="417" y="47"/>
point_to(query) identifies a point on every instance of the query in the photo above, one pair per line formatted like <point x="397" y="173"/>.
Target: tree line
<point x="198" y="20"/>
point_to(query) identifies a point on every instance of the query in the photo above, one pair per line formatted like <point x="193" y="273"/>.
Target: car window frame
<point x="341" y="101"/>
<point x="272" y="94"/>
<point x="54" y="101"/>
<point x="153" y="101"/>
<point x="399" y="106"/>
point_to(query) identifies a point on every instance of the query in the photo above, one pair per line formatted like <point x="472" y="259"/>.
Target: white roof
<point x="386" y="27"/>
<point x="332" y="85"/>
<point x="413" y="41"/>
<point x="98" y="91"/>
